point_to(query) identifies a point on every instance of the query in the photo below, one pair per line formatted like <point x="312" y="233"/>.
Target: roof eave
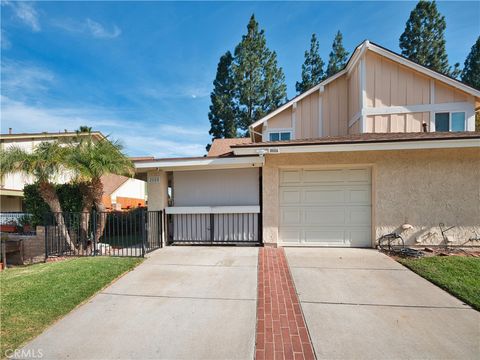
<point x="379" y="145"/>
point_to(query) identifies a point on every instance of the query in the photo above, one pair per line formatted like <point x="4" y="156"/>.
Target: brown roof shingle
<point x="370" y="137"/>
<point x="222" y="147"/>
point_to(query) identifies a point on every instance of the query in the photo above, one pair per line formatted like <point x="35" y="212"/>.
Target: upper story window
<point x="450" y="121"/>
<point x="279" y="135"/>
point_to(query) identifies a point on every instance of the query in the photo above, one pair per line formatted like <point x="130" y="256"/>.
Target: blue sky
<point x="143" y="71"/>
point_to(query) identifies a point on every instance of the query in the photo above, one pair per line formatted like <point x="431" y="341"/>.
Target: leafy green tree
<point x="222" y="109"/>
<point x="312" y="67"/>
<point x="423" y="40"/>
<point x="44" y="164"/>
<point x="90" y="159"/>
<point x="259" y="82"/>
<point x="471" y="67"/>
<point x="338" y="56"/>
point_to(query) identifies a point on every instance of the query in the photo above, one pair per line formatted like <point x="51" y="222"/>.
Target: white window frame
<point x="279" y="131"/>
<point x="450" y="112"/>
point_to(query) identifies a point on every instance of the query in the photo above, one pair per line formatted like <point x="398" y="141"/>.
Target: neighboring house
<point x="121" y="192"/>
<point x="384" y="145"/>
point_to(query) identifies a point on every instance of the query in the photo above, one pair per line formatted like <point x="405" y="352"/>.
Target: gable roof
<point x="356" y="55"/>
<point x="112" y="182"/>
<point x="222" y="147"/>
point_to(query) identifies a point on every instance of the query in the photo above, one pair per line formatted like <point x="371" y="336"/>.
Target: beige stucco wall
<point x="157" y="190"/>
<point x="418" y="187"/>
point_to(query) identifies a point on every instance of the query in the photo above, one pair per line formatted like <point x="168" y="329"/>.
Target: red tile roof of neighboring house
<point x="221" y="147"/>
<point x="112" y="182"/>
<point x="366" y="138"/>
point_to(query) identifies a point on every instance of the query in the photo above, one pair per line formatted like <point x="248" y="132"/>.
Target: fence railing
<point x="132" y="233"/>
<point x="215" y="228"/>
<point x="7" y="218"/>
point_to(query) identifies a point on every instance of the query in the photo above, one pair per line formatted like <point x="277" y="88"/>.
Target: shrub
<point x="69" y="195"/>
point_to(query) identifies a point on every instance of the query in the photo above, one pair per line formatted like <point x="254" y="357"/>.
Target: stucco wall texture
<point x="418" y="187"/>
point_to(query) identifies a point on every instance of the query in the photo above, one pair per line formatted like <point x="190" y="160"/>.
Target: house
<point x="120" y="192"/>
<point x="384" y="145"/>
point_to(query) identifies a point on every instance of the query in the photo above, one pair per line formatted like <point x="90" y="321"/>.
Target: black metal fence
<point x="215" y="229"/>
<point x="129" y="233"/>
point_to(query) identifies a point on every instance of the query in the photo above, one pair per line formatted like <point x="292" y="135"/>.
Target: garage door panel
<point x="359" y="215"/>
<point x="330" y="237"/>
<point x="358" y="175"/>
<point x="359" y="195"/>
<point x="292" y="236"/>
<point x="291" y="216"/>
<point x="290" y="196"/>
<point x="358" y="238"/>
<point x="323" y="176"/>
<point x="323" y="196"/>
<point x="325" y="207"/>
<point x="324" y="216"/>
<point x="290" y="176"/>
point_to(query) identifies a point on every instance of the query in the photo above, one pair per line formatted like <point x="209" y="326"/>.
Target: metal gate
<point x="116" y="233"/>
<point x="215" y="229"/>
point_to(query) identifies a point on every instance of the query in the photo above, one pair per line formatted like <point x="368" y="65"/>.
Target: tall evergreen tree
<point x="222" y="109"/>
<point x="423" y="40"/>
<point x="471" y="67"/>
<point x="259" y="82"/>
<point x="338" y="56"/>
<point x="312" y="68"/>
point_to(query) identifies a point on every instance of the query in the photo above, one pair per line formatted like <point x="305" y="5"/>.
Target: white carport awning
<point x="200" y="163"/>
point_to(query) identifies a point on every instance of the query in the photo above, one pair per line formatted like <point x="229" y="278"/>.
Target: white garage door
<point x="325" y="207"/>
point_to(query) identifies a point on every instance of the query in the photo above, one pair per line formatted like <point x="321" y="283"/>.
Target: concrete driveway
<point x="181" y="303"/>
<point x="360" y="304"/>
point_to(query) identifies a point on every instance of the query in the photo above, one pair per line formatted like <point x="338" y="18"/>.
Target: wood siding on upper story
<point x="377" y="94"/>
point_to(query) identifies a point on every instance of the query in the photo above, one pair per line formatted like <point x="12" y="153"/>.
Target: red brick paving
<point x="281" y="330"/>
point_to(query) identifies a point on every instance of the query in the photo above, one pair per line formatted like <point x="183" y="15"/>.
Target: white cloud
<point x="5" y="42"/>
<point x="163" y="140"/>
<point x="20" y="79"/>
<point x="25" y="12"/>
<point x="89" y="27"/>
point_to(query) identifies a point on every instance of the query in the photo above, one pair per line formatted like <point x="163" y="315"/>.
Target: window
<point x="450" y="121"/>
<point x="281" y="135"/>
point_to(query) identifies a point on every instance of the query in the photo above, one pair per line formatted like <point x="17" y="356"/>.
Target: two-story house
<point x="384" y="145"/>
<point x="120" y="192"/>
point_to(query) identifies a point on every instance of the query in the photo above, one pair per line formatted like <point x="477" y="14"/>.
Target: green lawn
<point x="33" y="297"/>
<point x="458" y="275"/>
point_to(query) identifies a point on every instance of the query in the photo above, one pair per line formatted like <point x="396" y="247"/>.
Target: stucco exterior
<point x="418" y="187"/>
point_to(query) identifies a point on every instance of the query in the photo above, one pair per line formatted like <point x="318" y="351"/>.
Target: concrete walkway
<point x="181" y="303"/>
<point x="360" y="304"/>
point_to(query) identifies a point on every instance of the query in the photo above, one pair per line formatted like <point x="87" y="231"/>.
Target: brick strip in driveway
<point x="281" y="330"/>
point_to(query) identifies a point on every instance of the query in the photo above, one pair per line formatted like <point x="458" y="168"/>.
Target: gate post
<point x="144" y="233"/>
<point x="45" y="235"/>
<point x="212" y="228"/>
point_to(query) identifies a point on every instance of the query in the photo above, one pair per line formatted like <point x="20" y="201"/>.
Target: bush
<point x="69" y="195"/>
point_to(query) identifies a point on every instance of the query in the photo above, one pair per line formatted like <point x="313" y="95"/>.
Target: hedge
<point x="69" y="195"/>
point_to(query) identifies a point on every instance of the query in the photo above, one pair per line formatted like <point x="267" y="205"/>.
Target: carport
<point x="206" y="200"/>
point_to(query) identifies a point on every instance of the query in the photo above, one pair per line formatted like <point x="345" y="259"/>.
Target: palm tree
<point x="44" y="164"/>
<point x="90" y="160"/>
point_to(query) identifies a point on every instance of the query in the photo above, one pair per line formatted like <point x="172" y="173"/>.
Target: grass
<point x="33" y="297"/>
<point x="458" y="275"/>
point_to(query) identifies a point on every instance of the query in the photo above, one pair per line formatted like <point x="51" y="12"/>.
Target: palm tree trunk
<point x="97" y="193"/>
<point x="49" y="195"/>
<point x="87" y="204"/>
